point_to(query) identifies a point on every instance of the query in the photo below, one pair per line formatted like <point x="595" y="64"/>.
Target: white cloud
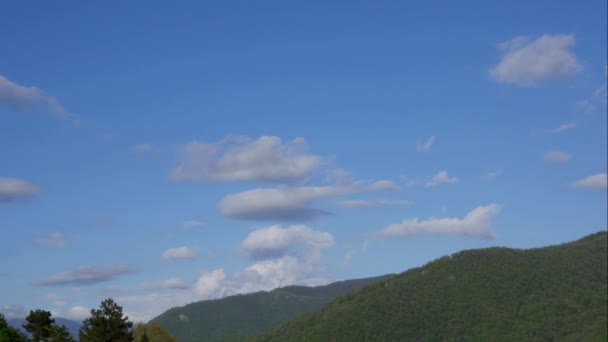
<point x="564" y="127"/>
<point x="476" y="223"/>
<point x="441" y="178"/>
<point x="243" y="159"/>
<point x="597" y="181"/>
<point x="191" y="224"/>
<point x="288" y="270"/>
<point x="84" y="276"/>
<point x="12" y="188"/>
<point x="142" y="148"/>
<point x="290" y="203"/>
<point x="303" y="269"/>
<point x="208" y="283"/>
<point x="526" y="63"/>
<point x="180" y="253"/>
<point x="275" y="241"/>
<point x="557" y="157"/>
<point x="297" y="266"/>
<point x="425" y="146"/>
<point x="55" y="239"/>
<point x="20" y="98"/>
<point x="597" y="98"/>
<point x="361" y="203"/>
<point x="77" y="313"/>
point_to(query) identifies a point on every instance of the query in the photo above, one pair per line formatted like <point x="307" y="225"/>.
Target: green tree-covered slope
<point x="495" y="294"/>
<point x="240" y="316"/>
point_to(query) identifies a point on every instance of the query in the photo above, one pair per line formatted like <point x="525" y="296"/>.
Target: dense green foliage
<point x="552" y="293"/>
<point x="8" y="333"/>
<point x="60" y="334"/>
<point x="235" y="317"/>
<point x="106" y="324"/>
<point x="39" y="324"/>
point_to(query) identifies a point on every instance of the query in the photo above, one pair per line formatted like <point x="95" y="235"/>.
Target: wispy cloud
<point x="141" y="148"/>
<point x="564" y="127"/>
<point x="598" y="181"/>
<point x="492" y="175"/>
<point x="476" y="223"/>
<point x="558" y="157"/>
<point x="291" y="203"/>
<point x="13" y="188"/>
<point x="376" y="203"/>
<point x="526" y="63"/>
<point x="243" y="159"/>
<point x="191" y="224"/>
<point x="54" y="298"/>
<point x="597" y="98"/>
<point x="84" y="275"/>
<point x="180" y="253"/>
<point x="425" y="146"/>
<point x="22" y="98"/>
<point x="54" y="239"/>
<point x="441" y="178"/>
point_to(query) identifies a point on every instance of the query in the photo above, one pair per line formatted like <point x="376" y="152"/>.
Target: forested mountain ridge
<point x="241" y="316"/>
<point x="551" y="293"/>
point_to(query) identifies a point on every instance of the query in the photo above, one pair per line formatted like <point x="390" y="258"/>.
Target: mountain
<point x="73" y="326"/>
<point x="495" y="294"/>
<point x="236" y="317"/>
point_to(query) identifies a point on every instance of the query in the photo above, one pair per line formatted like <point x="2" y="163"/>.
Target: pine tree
<point x="39" y="323"/>
<point x="60" y="334"/>
<point x="8" y="333"/>
<point x="106" y="324"/>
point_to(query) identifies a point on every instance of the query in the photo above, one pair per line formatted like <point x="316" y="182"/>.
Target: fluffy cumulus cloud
<point x="264" y="275"/>
<point x="290" y="203"/>
<point x="12" y="189"/>
<point x="21" y="98"/>
<point x="526" y="62"/>
<point x="476" y="223"/>
<point x="280" y="257"/>
<point x="275" y="241"/>
<point x="243" y="159"/>
<point x="598" y="181"/>
<point x="84" y="275"/>
<point x="441" y="178"/>
<point x="557" y="157"/>
<point x="54" y="239"/>
<point x="178" y="253"/>
<point x="377" y="203"/>
<point x="425" y="146"/>
<point x="209" y="283"/>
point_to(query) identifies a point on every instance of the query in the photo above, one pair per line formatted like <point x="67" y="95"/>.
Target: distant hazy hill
<point x="73" y="326"/>
<point x="239" y="316"/>
<point x="551" y="293"/>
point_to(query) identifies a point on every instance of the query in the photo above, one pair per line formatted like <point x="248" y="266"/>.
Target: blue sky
<point x="166" y="154"/>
